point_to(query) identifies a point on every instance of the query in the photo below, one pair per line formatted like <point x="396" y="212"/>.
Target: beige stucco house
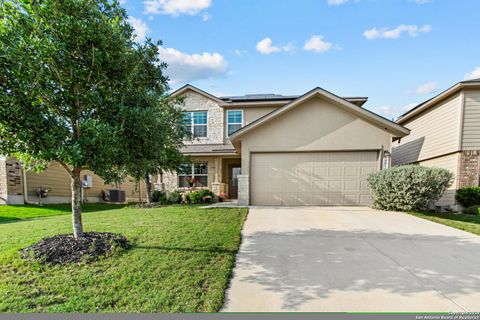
<point x="445" y="132"/>
<point x="312" y="149"/>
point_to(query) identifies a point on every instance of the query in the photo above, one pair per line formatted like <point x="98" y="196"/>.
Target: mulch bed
<point x="64" y="248"/>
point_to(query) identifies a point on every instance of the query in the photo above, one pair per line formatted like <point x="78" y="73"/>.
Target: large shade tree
<point x="75" y="89"/>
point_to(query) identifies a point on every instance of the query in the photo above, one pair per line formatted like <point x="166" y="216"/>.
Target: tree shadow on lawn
<point x="317" y="263"/>
<point x="212" y="249"/>
<point x="9" y="214"/>
<point x="8" y="219"/>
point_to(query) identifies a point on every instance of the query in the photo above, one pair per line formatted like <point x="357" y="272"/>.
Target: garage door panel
<point x="316" y="178"/>
<point x="335" y="185"/>
<point x="319" y="172"/>
<point x="352" y="185"/>
<point x="352" y="199"/>
<point x="353" y="170"/>
<point x="367" y="170"/>
<point x="336" y="171"/>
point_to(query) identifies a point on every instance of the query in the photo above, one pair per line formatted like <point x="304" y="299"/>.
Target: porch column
<point x="243" y="190"/>
<point x="217" y="185"/>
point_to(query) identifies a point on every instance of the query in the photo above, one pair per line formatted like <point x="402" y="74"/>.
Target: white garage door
<point x="313" y="178"/>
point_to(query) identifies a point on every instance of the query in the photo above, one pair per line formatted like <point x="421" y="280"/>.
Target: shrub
<point x="408" y="188"/>
<point x="472" y="210"/>
<point x="174" y="197"/>
<point x="468" y="196"/>
<point x="202" y="196"/>
<point x="159" y="196"/>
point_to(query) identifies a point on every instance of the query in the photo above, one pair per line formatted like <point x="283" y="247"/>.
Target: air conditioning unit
<point x="116" y="195"/>
<point x="87" y="181"/>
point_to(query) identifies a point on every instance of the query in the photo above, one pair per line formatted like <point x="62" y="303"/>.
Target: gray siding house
<point x="445" y="133"/>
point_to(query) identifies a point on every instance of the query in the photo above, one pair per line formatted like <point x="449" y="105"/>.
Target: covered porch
<point x="217" y="173"/>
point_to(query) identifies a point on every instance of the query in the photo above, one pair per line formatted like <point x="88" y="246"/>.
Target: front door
<point x="234" y="171"/>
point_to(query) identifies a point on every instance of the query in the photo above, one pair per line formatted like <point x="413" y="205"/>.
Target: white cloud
<point x="317" y="44"/>
<point x="265" y="47"/>
<point x="140" y="28"/>
<point x="475" y="74"/>
<point x="392" y="112"/>
<point x="386" y="33"/>
<point x="183" y="67"/>
<point x="422" y="1"/>
<point x="206" y="16"/>
<point x="239" y="52"/>
<point x="336" y="2"/>
<point x="427" y="88"/>
<point x="388" y="112"/>
<point x="289" y="47"/>
<point x="176" y="7"/>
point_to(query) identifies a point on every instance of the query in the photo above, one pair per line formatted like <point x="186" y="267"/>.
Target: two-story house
<point x="268" y="149"/>
<point x="445" y="132"/>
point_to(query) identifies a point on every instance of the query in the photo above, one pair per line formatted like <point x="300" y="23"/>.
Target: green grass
<point x="15" y="213"/>
<point x="465" y="222"/>
<point x="181" y="261"/>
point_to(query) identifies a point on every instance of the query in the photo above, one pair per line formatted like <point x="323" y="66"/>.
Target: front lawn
<point x="465" y="222"/>
<point x="14" y="213"/>
<point x="181" y="260"/>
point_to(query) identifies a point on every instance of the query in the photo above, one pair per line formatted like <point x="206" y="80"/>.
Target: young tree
<point x="155" y="149"/>
<point x="71" y="81"/>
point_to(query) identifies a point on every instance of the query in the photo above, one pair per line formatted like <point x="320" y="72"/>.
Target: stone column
<point x="243" y="190"/>
<point x="3" y="182"/>
<point x="216" y="186"/>
<point x="469" y="168"/>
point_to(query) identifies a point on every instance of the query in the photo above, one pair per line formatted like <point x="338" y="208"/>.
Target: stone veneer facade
<point x="469" y="168"/>
<point x="192" y="101"/>
<point x="196" y="102"/>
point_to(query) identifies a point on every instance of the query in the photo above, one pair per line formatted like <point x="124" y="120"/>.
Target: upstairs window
<point x="234" y="120"/>
<point x="197" y="170"/>
<point x="196" y="123"/>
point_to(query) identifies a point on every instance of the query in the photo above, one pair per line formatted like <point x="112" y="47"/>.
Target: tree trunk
<point x="76" y="203"/>
<point x="149" y="189"/>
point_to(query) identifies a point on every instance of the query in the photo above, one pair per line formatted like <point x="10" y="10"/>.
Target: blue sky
<point x="396" y="52"/>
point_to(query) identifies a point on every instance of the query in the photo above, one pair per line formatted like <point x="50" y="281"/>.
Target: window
<point x="196" y="123"/>
<point x="197" y="170"/>
<point x="234" y="120"/>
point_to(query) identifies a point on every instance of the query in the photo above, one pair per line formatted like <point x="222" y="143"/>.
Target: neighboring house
<point x="267" y="149"/>
<point x="445" y="132"/>
<point x="18" y="186"/>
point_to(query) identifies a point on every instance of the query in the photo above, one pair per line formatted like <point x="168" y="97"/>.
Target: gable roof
<point x="392" y="127"/>
<point x="441" y="96"/>
<point x="199" y="91"/>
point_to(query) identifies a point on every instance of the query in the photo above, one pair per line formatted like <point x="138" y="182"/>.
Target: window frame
<point x="234" y="123"/>
<point x="192" y="123"/>
<point x="191" y="172"/>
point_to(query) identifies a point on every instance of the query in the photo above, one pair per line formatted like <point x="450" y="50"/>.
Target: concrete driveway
<point x="352" y="259"/>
